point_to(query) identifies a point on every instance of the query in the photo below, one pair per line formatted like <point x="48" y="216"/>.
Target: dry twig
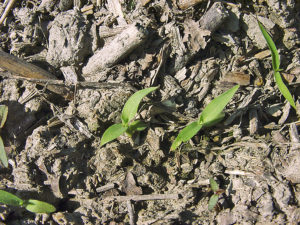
<point x="106" y="187"/>
<point x="142" y="197"/>
<point x="130" y="208"/>
<point x="6" y="11"/>
<point x="19" y="66"/>
<point x="79" y="84"/>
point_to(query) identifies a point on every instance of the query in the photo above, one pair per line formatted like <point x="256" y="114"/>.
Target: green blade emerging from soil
<point x="186" y="134"/>
<point x="272" y="47"/>
<point x="213" y="201"/>
<point x="37" y="206"/>
<point x="112" y="133"/>
<point x="213" y="110"/>
<point x="3" y="156"/>
<point x="284" y="90"/>
<point x="136" y="125"/>
<point x="3" y="114"/>
<point x="131" y="107"/>
<point x="276" y="64"/>
<point x="10" y="199"/>
<point x="213" y="184"/>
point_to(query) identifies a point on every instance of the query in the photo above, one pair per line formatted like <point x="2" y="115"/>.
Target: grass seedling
<point x="276" y="67"/>
<point x="212" y="114"/>
<point x="129" y="111"/>
<point x="131" y="4"/>
<point x="3" y="117"/>
<point x="215" y="197"/>
<point x="31" y="205"/>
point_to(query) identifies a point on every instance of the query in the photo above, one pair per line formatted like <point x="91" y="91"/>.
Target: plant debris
<point x="69" y="67"/>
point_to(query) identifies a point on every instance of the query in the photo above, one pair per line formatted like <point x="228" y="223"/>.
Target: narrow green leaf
<point x="283" y="89"/>
<point x="176" y="144"/>
<point x="212" y="111"/>
<point x="3" y="114"/>
<point x="272" y="47"/>
<point x="216" y="120"/>
<point x="3" y="157"/>
<point x="186" y="134"/>
<point x="112" y="133"/>
<point x="37" y="206"/>
<point x="276" y="64"/>
<point x="189" y="131"/>
<point x="10" y="199"/>
<point x="136" y="125"/>
<point x="214" y="185"/>
<point x="132" y="104"/>
<point x="213" y="201"/>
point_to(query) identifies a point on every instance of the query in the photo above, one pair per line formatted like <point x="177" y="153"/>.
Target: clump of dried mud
<point x="194" y="50"/>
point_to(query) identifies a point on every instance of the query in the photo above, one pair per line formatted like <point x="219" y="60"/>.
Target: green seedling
<point x="212" y="114"/>
<point x="128" y="125"/>
<point x="31" y="205"/>
<point x="215" y="197"/>
<point x="276" y="67"/>
<point x="3" y="117"/>
<point x="131" y="4"/>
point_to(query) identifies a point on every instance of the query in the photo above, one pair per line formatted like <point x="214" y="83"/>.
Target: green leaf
<point x="132" y="105"/>
<point x="3" y="114"/>
<point x="37" y="206"/>
<point x="136" y="125"/>
<point x="186" y="134"/>
<point x="276" y="64"/>
<point x="283" y="89"/>
<point x="272" y="47"/>
<point x="209" y="116"/>
<point x="213" y="201"/>
<point x="3" y="157"/>
<point x="10" y="199"/>
<point x="112" y="133"/>
<point x="213" y="110"/>
<point x="176" y="144"/>
<point x="214" y="185"/>
<point x="216" y="120"/>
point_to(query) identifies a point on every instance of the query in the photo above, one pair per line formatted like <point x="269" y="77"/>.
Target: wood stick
<point x="19" y="66"/>
<point x="239" y="172"/>
<point x="79" y="84"/>
<point x="214" y="17"/>
<point x="23" y="68"/>
<point x="184" y="4"/>
<point x="6" y="11"/>
<point x="142" y="197"/>
<point x="4" y="6"/>
<point x="294" y="133"/>
<point x="117" y="49"/>
<point x="130" y="208"/>
<point x="106" y="187"/>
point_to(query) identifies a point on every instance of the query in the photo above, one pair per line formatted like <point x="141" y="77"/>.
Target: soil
<point x="100" y="53"/>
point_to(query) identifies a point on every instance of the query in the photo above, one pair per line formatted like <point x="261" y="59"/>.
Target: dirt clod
<point x="102" y="52"/>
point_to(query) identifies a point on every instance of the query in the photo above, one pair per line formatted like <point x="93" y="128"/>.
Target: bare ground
<point x="98" y="54"/>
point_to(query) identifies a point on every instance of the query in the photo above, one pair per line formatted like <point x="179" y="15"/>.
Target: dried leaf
<point x="129" y="185"/>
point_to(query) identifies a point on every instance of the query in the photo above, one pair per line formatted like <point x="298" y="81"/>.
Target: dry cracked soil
<point x="67" y="69"/>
